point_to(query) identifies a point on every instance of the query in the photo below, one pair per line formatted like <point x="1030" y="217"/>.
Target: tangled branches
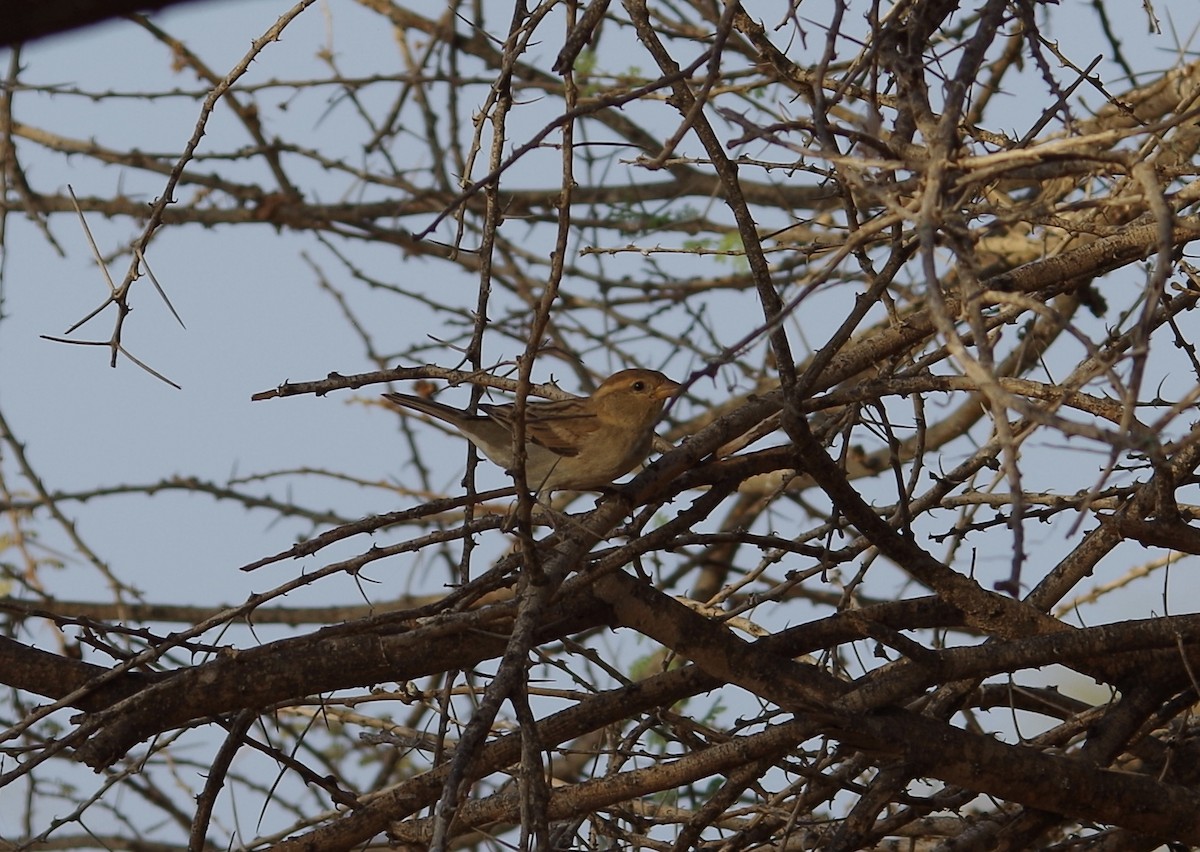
<point x="924" y="278"/>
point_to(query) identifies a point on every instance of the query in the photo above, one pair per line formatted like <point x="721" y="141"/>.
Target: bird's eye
<point x="639" y="386"/>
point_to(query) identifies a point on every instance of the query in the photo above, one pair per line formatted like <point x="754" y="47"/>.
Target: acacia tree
<point x="937" y="363"/>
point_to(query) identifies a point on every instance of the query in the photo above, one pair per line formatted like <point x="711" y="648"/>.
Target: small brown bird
<point x="577" y="444"/>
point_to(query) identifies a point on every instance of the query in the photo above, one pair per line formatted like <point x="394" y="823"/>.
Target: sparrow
<point x="576" y="444"/>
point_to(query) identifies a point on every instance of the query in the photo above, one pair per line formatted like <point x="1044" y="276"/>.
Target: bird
<point x="579" y="444"/>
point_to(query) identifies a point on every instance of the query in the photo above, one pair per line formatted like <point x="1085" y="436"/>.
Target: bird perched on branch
<point x="577" y="444"/>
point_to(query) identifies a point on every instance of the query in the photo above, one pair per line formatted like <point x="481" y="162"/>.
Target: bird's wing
<point x="558" y="426"/>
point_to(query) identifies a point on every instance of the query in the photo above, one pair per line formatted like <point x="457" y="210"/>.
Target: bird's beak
<point x="665" y="390"/>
